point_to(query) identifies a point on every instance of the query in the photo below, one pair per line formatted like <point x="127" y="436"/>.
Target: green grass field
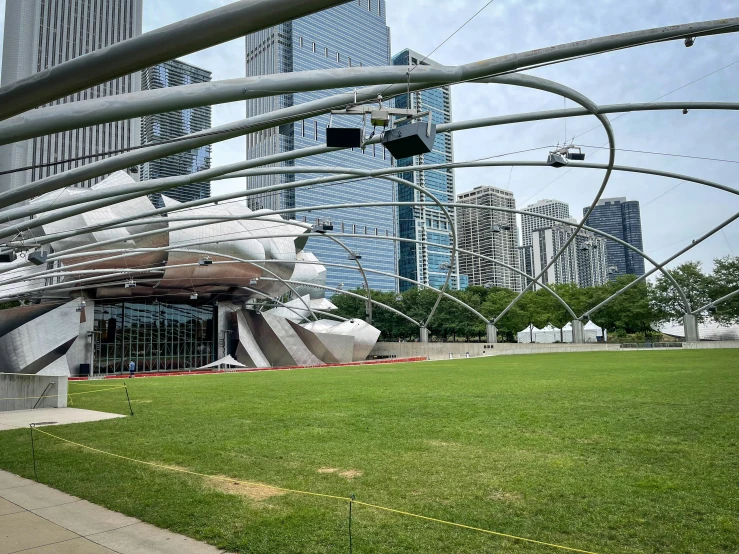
<point x="604" y="452"/>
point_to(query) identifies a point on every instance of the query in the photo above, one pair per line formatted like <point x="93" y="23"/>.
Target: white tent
<point x="547" y="335"/>
<point x="528" y="334"/>
<point x="226" y="360"/>
<point x="593" y="333"/>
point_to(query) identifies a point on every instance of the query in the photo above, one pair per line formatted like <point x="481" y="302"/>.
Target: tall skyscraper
<point x="582" y="263"/>
<point x="166" y="126"/>
<point x="40" y="34"/>
<point x="552" y="208"/>
<point x="352" y="34"/>
<point x="491" y="233"/>
<point x="425" y="262"/>
<point x="622" y="219"/>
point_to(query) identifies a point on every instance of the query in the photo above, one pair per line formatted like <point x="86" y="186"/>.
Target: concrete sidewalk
<point x="21" y="419"/>
<point x="36" y="519"/>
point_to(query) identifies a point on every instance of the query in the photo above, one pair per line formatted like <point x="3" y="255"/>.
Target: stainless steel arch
<point x="477" y="70"/>
<point x="186" y="36"/>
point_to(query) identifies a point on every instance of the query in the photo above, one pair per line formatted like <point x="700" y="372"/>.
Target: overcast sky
<point x="670" y="218"/>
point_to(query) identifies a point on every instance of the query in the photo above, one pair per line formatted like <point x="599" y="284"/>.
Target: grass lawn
<point x="606" y="452"/>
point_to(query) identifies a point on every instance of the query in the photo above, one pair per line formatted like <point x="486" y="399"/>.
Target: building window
<point x="338" y="57"/>
<point x="314" y="47"/>
<point x="301" y="42"/>
<point x="326" y="51"/>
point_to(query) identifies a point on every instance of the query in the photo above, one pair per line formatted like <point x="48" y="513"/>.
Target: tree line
<point x="637" y="311"/>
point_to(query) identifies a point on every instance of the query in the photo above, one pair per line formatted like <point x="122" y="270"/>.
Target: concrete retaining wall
<point x="442" y="350"/>
<point x="29" y="388"/>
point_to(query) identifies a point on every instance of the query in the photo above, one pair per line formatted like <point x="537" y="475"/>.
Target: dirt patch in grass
<point x="442" y="443"/>
<point x="503" y="496"/>
<point x="229" y="485"/>
<point x="255" y="491"/>
<point x="346" y="474"/>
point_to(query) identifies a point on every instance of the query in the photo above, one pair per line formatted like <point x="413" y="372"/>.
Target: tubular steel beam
<point x="51" y="238"/>
<point x="717" y="301"/>
<point x="169" y="42"/>
<point x="593" y="108"/>
<point x="660" y="266"/>
<point x="473" y="71"/>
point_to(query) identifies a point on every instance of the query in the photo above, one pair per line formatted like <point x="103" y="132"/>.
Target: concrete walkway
<point x="21" y="419"/>
<point x="36" y="519"/>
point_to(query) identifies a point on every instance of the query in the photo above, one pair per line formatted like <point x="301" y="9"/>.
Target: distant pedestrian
<point x="131" y="368"/>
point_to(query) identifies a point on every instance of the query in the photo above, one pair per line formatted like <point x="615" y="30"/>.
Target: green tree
<point x="666" y="300"/>
<point x="631" y="311"/>
<point x="725" y="280"/>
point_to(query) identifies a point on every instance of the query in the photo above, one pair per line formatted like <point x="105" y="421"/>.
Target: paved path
<point x="36" y="519"/>
<point x="18" y="419"/>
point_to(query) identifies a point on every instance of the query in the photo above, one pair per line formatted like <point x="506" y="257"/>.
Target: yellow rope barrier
<point x="344" y="498"/>
<point x="67" y="394"/>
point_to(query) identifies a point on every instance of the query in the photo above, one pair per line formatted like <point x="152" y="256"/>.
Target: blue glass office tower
<point x="622" y="219"/>
<point x="426" y="263"/>
<point x="166" y="126"/>
<point x="353" y="34"/>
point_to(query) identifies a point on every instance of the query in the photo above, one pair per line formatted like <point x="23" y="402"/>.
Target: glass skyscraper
<point x="349" y="35"/>
<point x="40" y="34"/>
<point x="622" y="219"/>
<point x="166" y="126"/>
<point x="426" y="263"/>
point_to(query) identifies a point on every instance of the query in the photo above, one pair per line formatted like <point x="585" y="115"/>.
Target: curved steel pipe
<point x="199" y="222"/>
<point x="166" y="43"/>
<point x="660" y="266"/>
<point x="473" y="71"/>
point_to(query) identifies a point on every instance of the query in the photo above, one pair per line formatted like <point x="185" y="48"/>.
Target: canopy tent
<point x="226" y="360"/>
<point x="528" y="334"/>
<point x="593" y="333"/>
<point x="547" y="335"/>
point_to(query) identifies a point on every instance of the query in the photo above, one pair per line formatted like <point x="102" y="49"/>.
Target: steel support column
<point x="690" y="325"/>
<point x="578" y="332"/>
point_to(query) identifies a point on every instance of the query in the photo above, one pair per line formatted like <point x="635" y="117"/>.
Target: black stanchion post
<point x="33" y="453"/>
<point x="351" y="501"/>
<point x="128" y="398"/>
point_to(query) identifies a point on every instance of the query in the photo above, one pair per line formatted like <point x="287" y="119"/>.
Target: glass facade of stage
<point x="156" y="336"/>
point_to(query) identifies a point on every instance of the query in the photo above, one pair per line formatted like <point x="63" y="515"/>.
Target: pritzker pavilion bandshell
<point x="203" y="279"/>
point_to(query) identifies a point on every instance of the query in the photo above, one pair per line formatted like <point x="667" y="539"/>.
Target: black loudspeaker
<point x="575" y="156"/>
<point x="37" y="258"/>
<point x="409" y="140"/>
<point x="337" y="137"/>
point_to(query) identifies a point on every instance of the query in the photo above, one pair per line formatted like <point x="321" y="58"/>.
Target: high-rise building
<point x="40" y="34"/>
<point x="583" y="261"/>
<point x="349" y="35"/>
<point x="622" y="219"/>
<point x="592" y="269"/>
<point x="166" y="126"/>
<point x="552" y="208"/>
<point x="424" y="262"/>
<point x="491" y="233"/>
